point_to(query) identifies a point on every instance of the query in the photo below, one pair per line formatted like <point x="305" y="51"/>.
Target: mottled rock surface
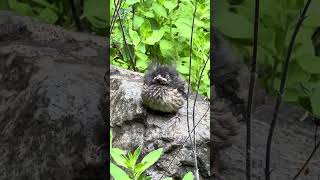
<point x="293" y="140"/>
<point x="51" y="88"/>
<point x="134" y="126"/>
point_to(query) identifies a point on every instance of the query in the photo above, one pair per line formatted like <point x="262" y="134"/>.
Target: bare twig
<point x="307" y="161"/>
<point x="186" y="140"/>
<point x="189" y="81"/>
<point x="117" y="7"/>
<point x="193" y="112"/>
<point x="251" y="89"/>
<point x="126" y="44"/>
<point x="75" y="15"/>
<point x="281" y="89"/>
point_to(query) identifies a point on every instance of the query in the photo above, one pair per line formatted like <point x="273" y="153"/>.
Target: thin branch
<point x="76" y="18"/>
<point x="281" y="89"/>
<point x="251" y="89"/>
<point x="307" y="161"/>
<point x="189" y="81"/>
<point x="185" y="141"/>
<point x="126" y="44"/>
<point x="117" y="7"/>
<point x="193" y="112"/>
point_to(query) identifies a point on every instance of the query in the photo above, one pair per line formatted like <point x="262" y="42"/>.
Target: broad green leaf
<point x="145" y="29"/>
<point x="149" y="14"/>
<point x="149" y="160"/>
<point x="183" y="29"/>
<point x="167" y="48"/>
<point x="136" y="155"/>
<point x="118" y="156"/>
<point x="309" y="63"/>
<point x="134" y="37"/>
<point x="95" y="12"/>
<point x="159" y="10"/>
<point x="141" y="48"/>
<point x="155" y="37"/>
<point x="117" y="173"/>
<point x="168" y="178"/>
<point x="142" y="61"/>
<point x="188" y="176"/>
<point x="137" y="22"/>
<point x="46" y="4"/>
<point x="315" y="102"/>
<point x="240" y="28"/>
<point x="169" y="5"/>
<point x="48" y="15"/>
<point x="131" y="2"/>
<point x="22" y="8"/>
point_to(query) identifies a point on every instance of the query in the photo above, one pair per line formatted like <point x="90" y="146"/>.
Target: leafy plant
<point x="277" y="19"/>
<point x="132" y="169"/>
<point x="158" y="29"/>
<point x="59" y="12"/>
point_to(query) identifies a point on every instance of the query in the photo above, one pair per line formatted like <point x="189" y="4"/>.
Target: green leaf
<point x="145" y="29"/>
<point x="134" y="37"/>
<point x="22" y="8"/>
<point x="183" y="27"/>
<point x="309" y="63"/>
<point x="148" y="161"/>
<point x="188" y="176"/>
<point x="95" y="12"/>
<point x="169" y="5"/>
<point x="46" y="4"/>
<point x="117" y="173"/>
<point x="155" y="37"/>
<point x="159" y="10"/>
<point x="48" y="15"/>
<point x="118" y="156"/>
<point x="240" y="28"/>
<point x="167" y="48"/>
<point x="141" y="62"/>
<point x="137" y="22"/>
<point x="136" y="155"/>
<point x="131" y="2"/>
<point x="315" y="102"/>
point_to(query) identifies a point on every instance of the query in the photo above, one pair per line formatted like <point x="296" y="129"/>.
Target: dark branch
<point x="75" y="15"/>
<point x="251" y="89"/>
<point x="281" y="89"/>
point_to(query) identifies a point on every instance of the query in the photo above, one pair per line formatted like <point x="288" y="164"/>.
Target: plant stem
<point x="251" y="89"/>
<point x="281" y="89"/>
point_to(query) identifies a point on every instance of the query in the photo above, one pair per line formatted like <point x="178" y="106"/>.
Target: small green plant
<point x="133" y="170"/>
<point x="277" y="21"/>
<point x="59" y="12"/>
<point x="158" y="29"/>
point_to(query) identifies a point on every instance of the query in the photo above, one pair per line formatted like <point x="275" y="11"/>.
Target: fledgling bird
<point x="163" y="89"/>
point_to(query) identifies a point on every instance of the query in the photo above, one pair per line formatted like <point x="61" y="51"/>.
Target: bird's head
<point x="162" y="79"/>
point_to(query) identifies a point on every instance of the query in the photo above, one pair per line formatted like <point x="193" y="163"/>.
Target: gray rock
<point x="51" y="121"/>
<point x="135" y="126"/>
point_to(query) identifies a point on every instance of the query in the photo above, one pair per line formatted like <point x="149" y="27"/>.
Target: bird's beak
<point x="161" y="79"/>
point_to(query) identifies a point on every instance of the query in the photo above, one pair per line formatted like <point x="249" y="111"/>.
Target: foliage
<point x="161" y="30"/>
<point x="129" y="163"/>
<point x="277" y="21"/>
<point x="59" y="12"/>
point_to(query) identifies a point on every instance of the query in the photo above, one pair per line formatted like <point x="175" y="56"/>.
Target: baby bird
<point x="163" y="89"/>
